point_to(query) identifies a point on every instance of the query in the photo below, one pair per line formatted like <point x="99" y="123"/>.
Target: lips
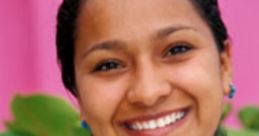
<point x="155" y="123"/>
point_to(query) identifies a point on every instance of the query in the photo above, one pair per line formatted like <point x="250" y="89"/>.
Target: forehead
<point x="116" y="18"/>
<point x="134" y="6"/>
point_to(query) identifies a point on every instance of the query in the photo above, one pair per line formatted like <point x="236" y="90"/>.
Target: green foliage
<point x="41" y="115"/>
<point x="15" y="134"/>
<point x="226" y="111"/>
<point x="231" y="132"/>
<point x="249" y="117"/>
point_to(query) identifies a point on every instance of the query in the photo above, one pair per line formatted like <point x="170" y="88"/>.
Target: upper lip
<point x="147" y="117"/>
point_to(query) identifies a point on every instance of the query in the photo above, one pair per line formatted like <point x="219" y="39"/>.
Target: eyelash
<point x="113" y="64"/>
<point x="107" y="65"/>
<point x="177" y="49"/>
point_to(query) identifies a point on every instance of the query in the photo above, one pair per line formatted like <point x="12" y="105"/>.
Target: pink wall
<point x="242" y="20"/>
<point x="27" y="50"/>
<point x="28" y="60"/>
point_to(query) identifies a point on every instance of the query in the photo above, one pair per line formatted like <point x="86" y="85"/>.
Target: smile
<point x="157" y="122"/>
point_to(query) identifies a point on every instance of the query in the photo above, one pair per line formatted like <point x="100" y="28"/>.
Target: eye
<point x="107" y="65"/>
<point x="177" y="49"/>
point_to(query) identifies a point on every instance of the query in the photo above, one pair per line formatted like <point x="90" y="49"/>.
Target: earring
<point x="232" y="91"/>
<point x="84" y="125"/>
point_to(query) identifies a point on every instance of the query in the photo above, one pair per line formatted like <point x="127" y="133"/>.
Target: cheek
<point x="206" y="89"/>
<point x="99" y="99"/>
<point x="200" y="79"/>
<point x="202" y="84"/>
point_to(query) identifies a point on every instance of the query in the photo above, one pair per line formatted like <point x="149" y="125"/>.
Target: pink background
<point x="28" y="60"/>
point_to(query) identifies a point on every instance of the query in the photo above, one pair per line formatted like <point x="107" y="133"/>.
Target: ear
<point x="226" y="66"/>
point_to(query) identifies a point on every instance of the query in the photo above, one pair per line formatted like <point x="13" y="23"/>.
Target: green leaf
<point x="249" y="117"/>
<point x="8" y="134"/>
<point x="15" y="134"/>
<point x="226" y="111"/>
<point x="232" y="132"/>
<point x="42" y="115"/>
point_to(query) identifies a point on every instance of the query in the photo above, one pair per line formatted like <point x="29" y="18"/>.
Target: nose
<point x="149" y="86"/>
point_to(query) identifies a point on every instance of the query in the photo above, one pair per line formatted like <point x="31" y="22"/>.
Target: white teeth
<point x="152" y="124"/>
<point x="182" y="114"/>
<point x="173" y="117"/>
<point x="179" y="115"/>
<point x="139" y="126"/>
<point x="145" y="125"/>
<point x="168" y="120"/>
<point x="158" y="123"/>
<point x="134" y="127"/>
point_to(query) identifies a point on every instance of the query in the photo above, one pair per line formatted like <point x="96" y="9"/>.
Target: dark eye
<point x="107" y="66"/>
<point x="177" y="50"/>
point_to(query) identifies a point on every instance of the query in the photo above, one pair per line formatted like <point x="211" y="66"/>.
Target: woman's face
<point x="148" y="68"/>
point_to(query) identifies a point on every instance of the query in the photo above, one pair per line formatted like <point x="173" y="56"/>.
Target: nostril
<point x="148" y="87"/>
<point x="146" y="99"/>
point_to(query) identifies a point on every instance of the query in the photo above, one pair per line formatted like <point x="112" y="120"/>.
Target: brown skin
<point x="148" y="77"/>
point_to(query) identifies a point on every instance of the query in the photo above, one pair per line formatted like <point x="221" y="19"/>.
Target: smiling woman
<point x="146" y="68"/>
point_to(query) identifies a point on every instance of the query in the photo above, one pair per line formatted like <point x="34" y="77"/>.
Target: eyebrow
<point x="170" y="30"/>
<point x="117" y="45"/>
<point x="107" y="45"/>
